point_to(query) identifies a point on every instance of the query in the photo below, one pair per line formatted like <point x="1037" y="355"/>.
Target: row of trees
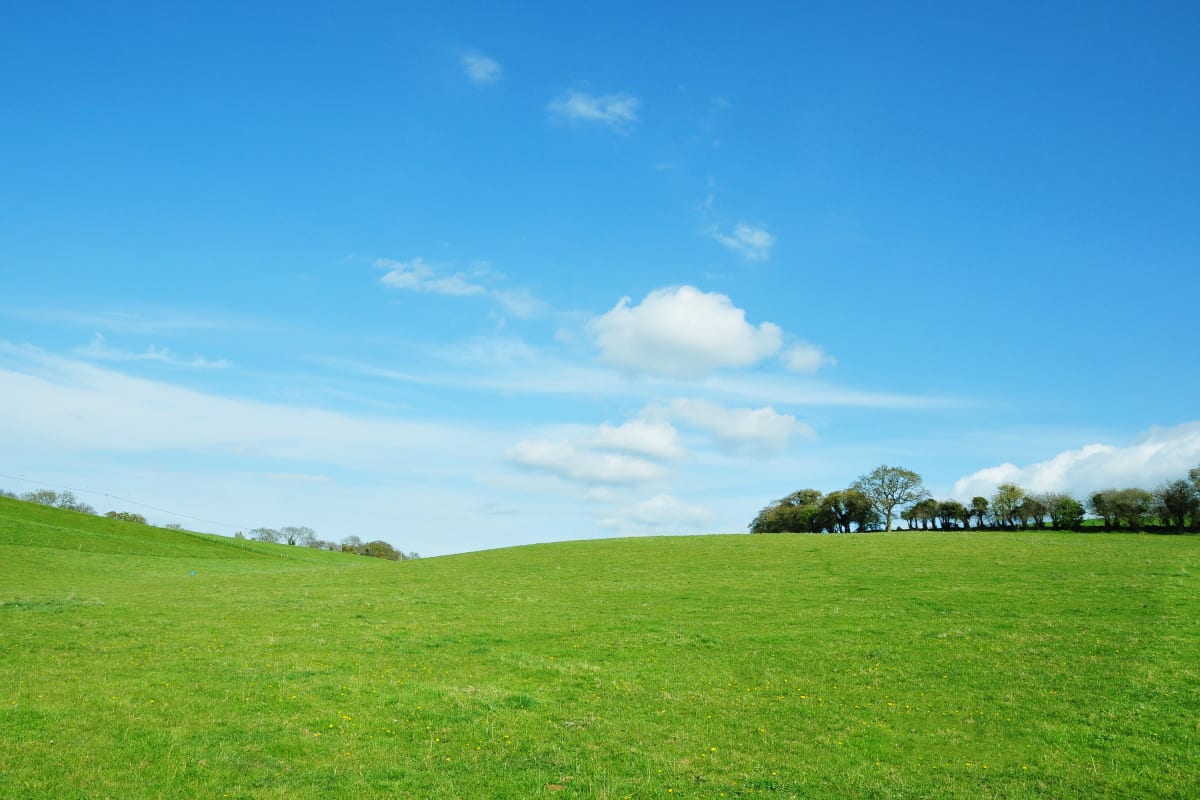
<point x="871" y="502"/>
<point x="306" y="537"/>
<point x="293" y="535"/>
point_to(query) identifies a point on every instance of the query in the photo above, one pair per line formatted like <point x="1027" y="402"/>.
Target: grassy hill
<point x="137" y="662"/>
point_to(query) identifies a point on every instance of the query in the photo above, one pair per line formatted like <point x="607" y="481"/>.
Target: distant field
<point x="143" y="663"/>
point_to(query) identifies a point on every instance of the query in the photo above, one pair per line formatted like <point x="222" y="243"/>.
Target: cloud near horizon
<point x="1156" y="456"/>
<point x="662" y="513"/>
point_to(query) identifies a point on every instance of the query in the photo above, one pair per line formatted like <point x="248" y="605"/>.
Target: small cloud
<point x="660" y="514"/>
<point x="573" y="462"/>
<point x="806" y="358"/>
<point x="480" y="69"/>
<point x="418" y="276"/>
<point x="653" y="439"/>
<point x="682" y="332"/>
<point x="98" y="348"/>
<point x="754" y="244"/>
<point x="763" y="429"/>
<point x="520" y="303"/>
<point x="617" y="111"/>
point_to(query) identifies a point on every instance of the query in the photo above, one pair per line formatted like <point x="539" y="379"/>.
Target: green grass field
<point x="143" y="663"/>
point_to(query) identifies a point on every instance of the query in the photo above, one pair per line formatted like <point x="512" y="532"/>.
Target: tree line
<point x="871" y="503"/>
<point x="307" y="537"/>
<point x="293" y="535"/>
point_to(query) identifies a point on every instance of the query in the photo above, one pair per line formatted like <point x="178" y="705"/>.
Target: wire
<point x="109" y="495"/>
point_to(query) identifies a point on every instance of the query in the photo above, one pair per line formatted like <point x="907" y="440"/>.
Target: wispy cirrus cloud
<point x="419" y="276"/>
<point x="618" y="111"/>
<point x="127" y="322"/>
<point x="480" y="69"/>
<point x="753" y="243"/>
<point x="98" y="348"/>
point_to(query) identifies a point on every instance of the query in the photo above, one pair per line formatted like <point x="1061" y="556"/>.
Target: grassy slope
<point x="911" y="665"/>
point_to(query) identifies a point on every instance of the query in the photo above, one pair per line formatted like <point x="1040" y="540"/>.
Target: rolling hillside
<point x="137" y="662"/>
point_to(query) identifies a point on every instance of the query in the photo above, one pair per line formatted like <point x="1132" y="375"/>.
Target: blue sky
<point x="462" y="277"/>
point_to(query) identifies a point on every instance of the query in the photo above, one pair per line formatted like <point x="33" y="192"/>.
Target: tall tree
<point x="843" y="511"/>
<point x="1066" y="513"/>
<point x="1005" y="503"/>
<point x="1103" y="505"/>
<point x="925" y="512"/>
<point x="979" y="510"/>
<point x="1133" y="506"/>
<point x="1175" y="502"/>
<point x="799" y="512"/>
<point x="950" y="513"/>
<point x="888" y="487"/>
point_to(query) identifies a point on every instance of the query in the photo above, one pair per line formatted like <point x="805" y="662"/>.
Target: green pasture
<point x="143" y="663"/>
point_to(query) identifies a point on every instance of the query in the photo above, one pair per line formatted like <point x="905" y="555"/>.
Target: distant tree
<point x="1032" y="511"/>
<point x="8" y="494"/>
<point x="68" y="501"/>
<point x="1175" y="502"/>
<point x="1066" y="513"/>
<point x="979" y="510"/>
<point x="239" y="535"/>
<point x="43" y="497"/>
<point x="298" y="535"/>
<point x="126" y="516"/>
<point x="799" y="512"/>
<point x="889" y="487"/>
<point x="846" y="510"/>
<point x="925" y="512"/>
<point x="381" y="549"/>
<point x="1132" y="506"/>
<point x="1103" y="504"/>
<point x="1005" y="503"/>
<point x="172" y="526"/>
<point x="266" y="535"/>
<point x="951" y="512"/>
<point x="412" y="555"/>
<point x="351" y="544"/>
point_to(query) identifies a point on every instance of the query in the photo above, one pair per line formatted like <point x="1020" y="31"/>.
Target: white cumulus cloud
<point x="753" y="243"/>
<point x="481" y="69"/>
<point x="1159" y="455"/>
<point x="617" y="111"/>
<point x="576" y="462"/>
<point x="660" y="514"/>
<point x="682" y="332"/>
<point x="806" y="358"/>
<point x="651" y="438"/>
<point x="750" y="428"/>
